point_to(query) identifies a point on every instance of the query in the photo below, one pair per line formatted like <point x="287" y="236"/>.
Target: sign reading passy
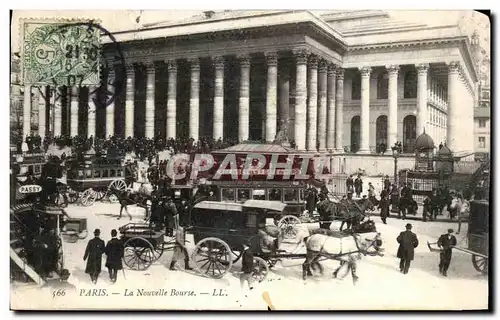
<point x="32" y="188"/>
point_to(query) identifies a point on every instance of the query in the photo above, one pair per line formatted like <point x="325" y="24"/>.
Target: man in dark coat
<point x="349" y="183"/>
<point x="246" y="266"/>
<point x="93" y="255"/>
<point x="358" y="186"/>
<point x="446" y="242"/>
<point x="387" y="183"/>
<point x="114" y="254"/>
<point x="384" y="205"/>
<point x="407" y="243"/>
<point x="171" y="216"/>
<point x="311" y="199"/>
<point x="405" y="200"/>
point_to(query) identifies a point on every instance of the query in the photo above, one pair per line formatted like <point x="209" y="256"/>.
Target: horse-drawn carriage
<point x="36" y="245"/>
<point x="477" y="236"/>
<point x="96" y="178"/>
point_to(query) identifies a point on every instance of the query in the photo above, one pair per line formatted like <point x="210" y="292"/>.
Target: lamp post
<point x="396" y="150"/>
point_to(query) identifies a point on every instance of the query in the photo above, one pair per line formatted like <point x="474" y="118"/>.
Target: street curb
<point x="417" y="218"/>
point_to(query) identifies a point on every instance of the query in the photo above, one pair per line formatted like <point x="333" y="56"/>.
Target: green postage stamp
<point x="60" y="52"/>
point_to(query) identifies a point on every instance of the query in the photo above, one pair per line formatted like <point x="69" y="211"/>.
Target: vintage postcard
<point x="250" y="160"/>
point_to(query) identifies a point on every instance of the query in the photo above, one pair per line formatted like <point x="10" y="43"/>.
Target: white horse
<point x="346" y="249"/>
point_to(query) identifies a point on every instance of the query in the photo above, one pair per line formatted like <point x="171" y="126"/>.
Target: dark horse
<point x="127" y="198"/>
<point x="350" y="213"/>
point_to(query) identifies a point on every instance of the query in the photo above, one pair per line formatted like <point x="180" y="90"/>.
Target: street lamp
<point x="396" y="150"/>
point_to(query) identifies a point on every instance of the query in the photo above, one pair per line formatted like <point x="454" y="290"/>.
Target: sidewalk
<point x="440" y="218"/>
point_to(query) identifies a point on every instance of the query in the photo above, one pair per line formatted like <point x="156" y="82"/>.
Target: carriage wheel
<point x="159" y="252"/>
<point x="288" y="225"/>
<point x="72" y="195"/>
<point x="260" y="269"/>
<point x="88" y="198"/>
<point x="118" y="185"/>
<point x="139" y="253"/>
<point x="480" y="263"/>
<point x="212" y="257"/>
<point x="100" y="194"/>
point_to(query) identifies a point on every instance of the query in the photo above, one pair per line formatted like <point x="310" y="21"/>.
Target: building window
<point x="482" y="142"/>
<point x="410" y="87"/>
<point x="356" y="87"/>
<point x="482" y="123"/>
<point x="409" y="133"/>
<point x="381" y="133"/>
<point x="382" y="86"/>
<point x="355" y="133"/>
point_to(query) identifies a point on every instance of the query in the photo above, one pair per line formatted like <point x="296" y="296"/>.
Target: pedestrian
<point x="180" y="249"/>
<point x="358" y="186"/>
<point x="114" y="254"/>
<point x="172" y="217"/>
<point x="446" y="242"/>
<point x="349" y="183"/>
<point x="407" y="243"/>
<point x="247" y="266"/>
<point x="93" y="255"/>
<point x="384" y="205"/>
<point x="463" y="214"/>
<point x="387" y="183"/>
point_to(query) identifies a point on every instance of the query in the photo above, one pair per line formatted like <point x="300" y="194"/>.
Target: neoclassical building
<point x="340" y="81"/>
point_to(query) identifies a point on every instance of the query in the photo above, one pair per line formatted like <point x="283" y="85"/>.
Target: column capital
<point x="422" y="68"/>
<point x="150" y="67"/>
<point x="218" y="62"/>
<point x="301" y="55"/>
<point x="171" y="65"/>
<point x="332" y="69"/>
<point x="130" y="68"/>
<point x="271" y="58"/>
<point x="365" y="71"/>
<point x="194" y="63"/>
<point x="313" y="61"/>
<point x="339" y="72"/>
<point x="323" y="66"/>
<point x="244" y="60"/>
<point x="453" y="66"/>
<point x="392" y="69"/>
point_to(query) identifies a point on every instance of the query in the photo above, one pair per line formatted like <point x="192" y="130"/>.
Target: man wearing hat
<point x="114" y="254"/>
<point x="446" y="242"/>
<point x="247" y="266"/>
<point x="407" y="243"/>
<point x="93" y="255"/>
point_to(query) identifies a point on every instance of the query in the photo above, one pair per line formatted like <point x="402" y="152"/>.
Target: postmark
<point x="59" y="56"/>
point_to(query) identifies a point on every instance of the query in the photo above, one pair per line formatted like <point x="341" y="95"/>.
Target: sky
<point x="126" y="19"/>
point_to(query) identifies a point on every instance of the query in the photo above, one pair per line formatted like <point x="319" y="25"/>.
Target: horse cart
<point x="477" y="236"/>
<point x="143" y="245"/>
<point x="96" y="178"/>
<point x="36" y="246"/>
<point x="220" y="229"/>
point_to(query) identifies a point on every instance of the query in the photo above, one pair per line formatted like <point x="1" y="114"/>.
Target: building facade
<point x="344" y="81"/>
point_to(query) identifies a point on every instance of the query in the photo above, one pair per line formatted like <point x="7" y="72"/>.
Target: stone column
<point x="150" y="100"/>
<point x="218" y="117"/>
<point x="330" y="125"/>
<point x="244" y="112"/>
<point x="194" y="101"/>
<point x="57" y="96"/>
<point x="392" y="123"/>
<point x="453" y="117"/>
<point x="172" y="99"/>
<point x="300" y="99"/>
<point x="42" y="105"/>
<point x="91" y="112"/>
<point x="26" y="112"/>
<point x="284" y="94"/>
<point x="339" y="111"/>
<point x="365" y="110"/>
<point x="74" y="111"/>
<point x="110" y="109"/>
<point x="312" y="107"/>
<point x="271" y="95"/>
<point x="422" y="98"/>
<point x="130" y="101"/>
<point x="322" y="82"/>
